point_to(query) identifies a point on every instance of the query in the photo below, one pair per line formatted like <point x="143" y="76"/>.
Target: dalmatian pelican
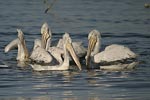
<point x="38" y="54"/>
<point x="40" y="50"/>
<point x="111" y="53"/>
<point x="23" y="54"/>
<point x="45" y="43"/>
<point x="67" y="47"/>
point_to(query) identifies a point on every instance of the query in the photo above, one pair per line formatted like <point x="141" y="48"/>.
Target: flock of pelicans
<point x="47" y="57"/>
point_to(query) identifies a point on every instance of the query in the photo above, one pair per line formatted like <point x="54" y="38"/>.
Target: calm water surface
<point x="124" y="22"/>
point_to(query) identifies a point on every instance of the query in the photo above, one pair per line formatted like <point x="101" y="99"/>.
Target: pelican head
<point x="46" y="36"/>
<point x="93" y="45"/>
<point x="68" y="45"/>
<point x="20" y="35"/>
<point x="23" y="54"/>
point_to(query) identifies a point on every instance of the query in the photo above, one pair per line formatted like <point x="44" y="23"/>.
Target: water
<point x="122" y="22"/>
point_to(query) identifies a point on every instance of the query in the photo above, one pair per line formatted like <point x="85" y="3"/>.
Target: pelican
<point x="67" y="46"/>
<point x="45" y="43"/>
<point x="40" y="50"/>
<point x="23" y="55"/>
<point x="111" y="53"/>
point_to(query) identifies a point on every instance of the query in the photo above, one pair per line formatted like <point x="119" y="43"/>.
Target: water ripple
<point x="122" y="22"/>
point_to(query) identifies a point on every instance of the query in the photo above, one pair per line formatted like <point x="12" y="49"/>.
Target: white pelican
<point x="111" y="53"/>
<point x="40" y="50"/>
<point x="23" y="54"/>
<point x="45" y="43"/>
<point x="67" y="46"/>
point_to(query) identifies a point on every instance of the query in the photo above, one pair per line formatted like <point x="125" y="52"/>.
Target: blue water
<point x="124" y="22"/>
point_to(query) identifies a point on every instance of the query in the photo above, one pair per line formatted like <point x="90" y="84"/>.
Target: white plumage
<point x="113" y="53"/>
